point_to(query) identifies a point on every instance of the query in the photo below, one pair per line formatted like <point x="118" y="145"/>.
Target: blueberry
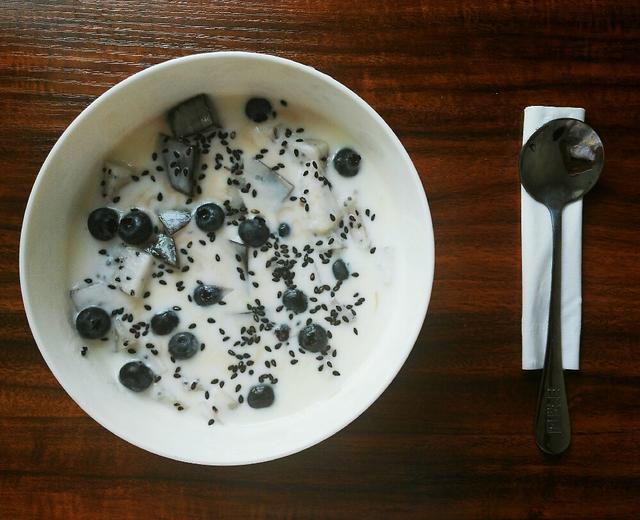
<point x="135" y="227"/>
<point x="282" y="332"/>
<point x="347" y="162"/>
<point x="205" y="295"/>
<point x="183" y="345"/>
<point x="295" y="300"/>
<point x="209" y="217"/>
<point x="164" y="322"/>
<point x="254" y="232"/>
<point x="260" y="396"/>
<point x="136" y="376"/>
<point x="103" y="223"/>
<point x="258" y="109"/>
<point x="313" y="338"/>
<point x="340" y="270"/>
<point x="93" y="323"/>
<point x="284" y="230"/>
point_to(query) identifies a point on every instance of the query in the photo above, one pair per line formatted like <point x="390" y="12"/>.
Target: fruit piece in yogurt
<point x="133" y="272"/>
<point x="319" y="202"/>
<point x="164" y="248"/>
<point x="209" y="217"/>
<point x="193" y="116"/>
<point x="260" y="396"/>
<point x="93" y="323"/>
<point x="116" y="175"/>
<point x="264" y="190"/>
<point x="353" y="220"/>
<point x="136" y="376"/>
<point x="206" y="295"/>
<point x="258" y="109"/>
<point x="254" y="232"/>
<point x="284" y="230"/>
<point x="180" y="161"/>
<point x="313" y="150"/>
<point x="294" y="300"/>
<point x="313" y="338"/>
<point x="174" y="220"/>
<point x="135" y="227"/>
<point x="103" y="223"/>
<point x="310" y="155"/>
<point x="241" y="253"/>
<point x="164" y="323"/>
<point x="183" y="345"/>
<point x="125" y="334"/>
<point x="339" y="269"/>
<point x="282" y="332"/>
<point x="347" y="162"/>
<point x="94" y="293"/>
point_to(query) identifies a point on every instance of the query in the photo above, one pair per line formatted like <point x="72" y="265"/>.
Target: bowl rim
<point x="411" y="335"/>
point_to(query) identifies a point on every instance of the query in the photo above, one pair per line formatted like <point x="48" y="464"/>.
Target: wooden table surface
<point x="452" y="436"/>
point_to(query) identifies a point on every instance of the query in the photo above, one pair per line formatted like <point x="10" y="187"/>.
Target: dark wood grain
<point x="452" y="436"/>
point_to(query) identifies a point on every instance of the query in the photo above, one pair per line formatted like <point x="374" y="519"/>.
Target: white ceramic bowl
<point x="66" y="175"/>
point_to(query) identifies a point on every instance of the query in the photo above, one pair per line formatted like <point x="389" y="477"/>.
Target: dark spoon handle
<point x="552" y="424"/>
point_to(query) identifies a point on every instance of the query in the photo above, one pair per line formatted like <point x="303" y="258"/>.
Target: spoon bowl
<point x="561" y="162"/>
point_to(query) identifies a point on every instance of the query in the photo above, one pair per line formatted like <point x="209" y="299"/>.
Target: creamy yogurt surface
<point x="281" y="170"/>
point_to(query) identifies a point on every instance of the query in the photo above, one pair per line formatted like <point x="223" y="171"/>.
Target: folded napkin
<point x="536" y="262"/>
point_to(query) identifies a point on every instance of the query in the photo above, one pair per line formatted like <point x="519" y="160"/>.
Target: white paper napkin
<point x="536" y="262"/>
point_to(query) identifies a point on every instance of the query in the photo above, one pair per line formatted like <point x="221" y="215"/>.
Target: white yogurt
<point x="367" y="250"/>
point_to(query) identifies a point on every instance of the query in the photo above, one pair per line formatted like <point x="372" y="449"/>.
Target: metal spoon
<point x="559" y="163"/>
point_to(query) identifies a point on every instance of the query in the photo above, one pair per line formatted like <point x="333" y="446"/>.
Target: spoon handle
<point x="552" y="424"/>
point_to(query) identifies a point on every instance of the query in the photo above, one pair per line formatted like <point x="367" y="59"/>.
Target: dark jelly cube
<point x="193" y="116"/>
